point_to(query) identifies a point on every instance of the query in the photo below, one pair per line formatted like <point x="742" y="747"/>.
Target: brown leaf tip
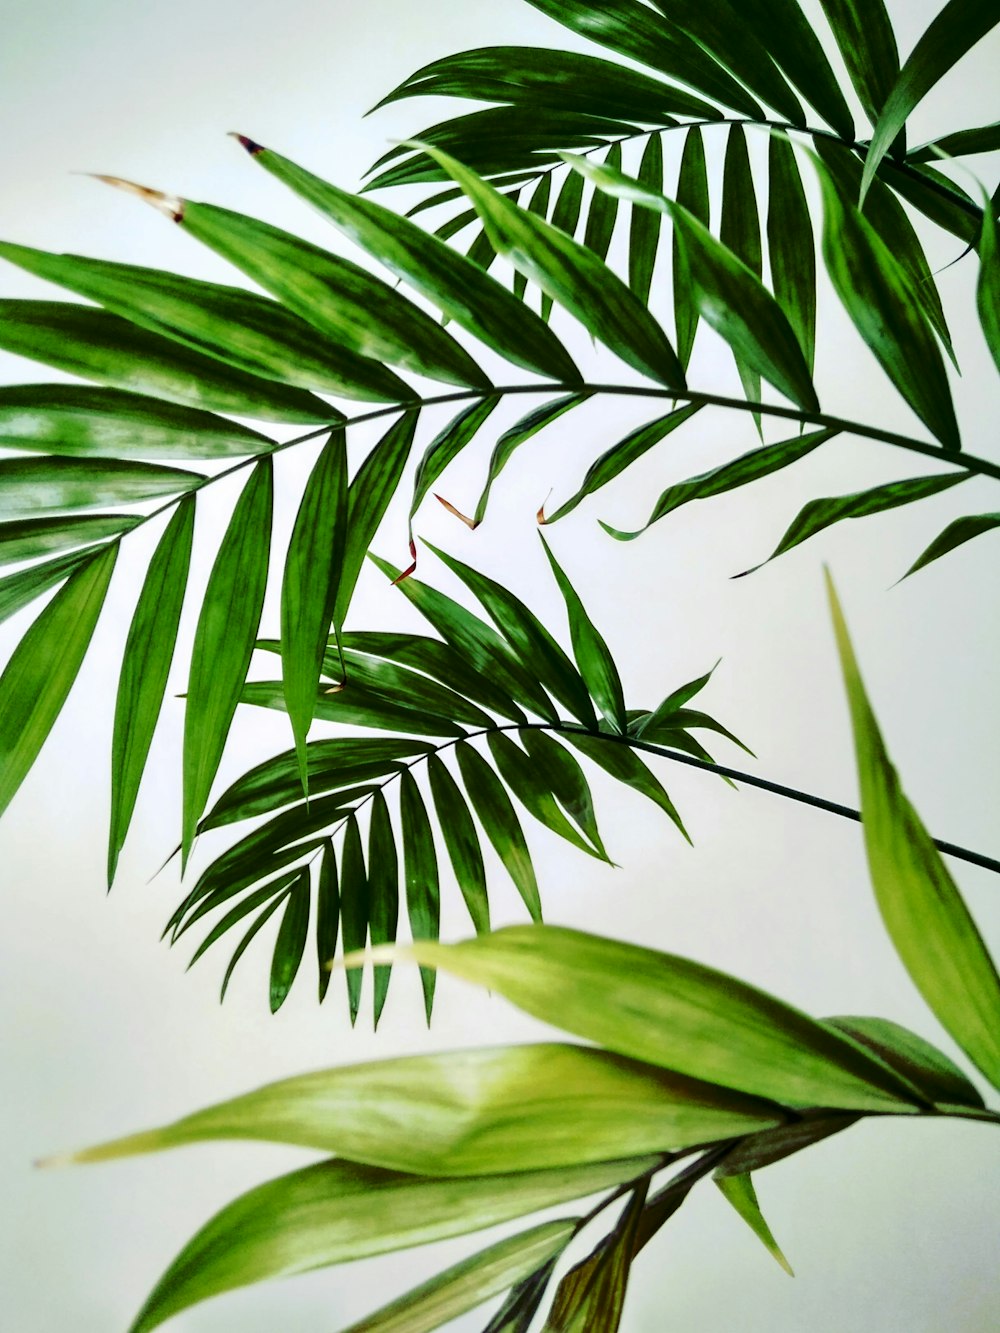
<point x="251" y="145"/>
<point x="168" y="204"/>
<point x="469" y="522"/>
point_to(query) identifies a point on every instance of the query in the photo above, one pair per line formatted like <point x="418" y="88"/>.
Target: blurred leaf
<point x="327" y="916"/>
<point x="955" y="534"/>
<point x="739" y="1191"/>
<point x="644" y="228"/>
<point x="224" y="640"/>
<point x="674" y="1013"/>
<point x="528" y="783"/>
<point x="423" y="892"/>
<point x="790" y="248"/>
<point x="591" y="1296"/>
<point x="927" y="920"/>
<point x="448" y="444"/>
<point x="39" y="486"/>
<point x="867" y="45"/>
<point x="149" y="650"/>
<point x="354" y="907"/>
<point x="523" y="1302"/>
<point x="523" y="430"/>
<point x="496" y="814"/>
<point x="692" y="194"/>
<point x="383" y="889"/>
<point x="31" y="537"/>
<point x="44" y="665"/>
<point x="338" y="1211"/>
<point x="916" y="1059"/>
<point x="988" y="288"/>
<point x="291" y="941"/>
<point x="461" y="840"/>
<point x="625" y="765"/>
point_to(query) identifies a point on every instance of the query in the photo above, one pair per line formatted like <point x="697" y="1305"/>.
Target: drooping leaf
<point x="674" y="1013"/>
<point x="383" y="889"/>
<point x="291" y="942"/>
<point x="461" y="840"/>
<point x="273" y="893"/>
<point x="592" y="1294"/>
<point x="819" y="514"/>
<point x="400" y="686"/>
<point x="644" y="229"/>
<point x="354" y="907"/>
<point x="675" y="699"/>
<point x="916" y="1059"/>
<point x="566" y="780"/>
<point x="39" y="486"/>
<point x="224" y="640"/>
<point x="522" y="431"/>
<point x="327" y="916"/>
<point x="739" y="1191"/>
<point x="955" y="534"/>
<point x="248" y="939"/>
<point x="928" y="922"/>
<point x="420" y="872"/>
<point x="445" y="446"/>
<point x="625" y="765"/>
<point x="149" y="650"/>
<point x="533" y="791"/>
<point x="692" y="194"/>
<point x="936" y="196"/>
<point x="41" y="671"/>
<point x="867" y="45"/>
<point x="790" y="248"/>
<point x="523" y="1302"/>
<point x="496" y="814"/>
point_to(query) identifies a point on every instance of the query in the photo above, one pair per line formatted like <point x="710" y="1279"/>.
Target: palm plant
<point x="485" y="709"/>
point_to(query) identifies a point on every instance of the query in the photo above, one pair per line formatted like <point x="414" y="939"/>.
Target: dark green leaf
<point x="955" y="534"/>
<point x="47" y="485"/>
<point x="937" y="197"/>
<point x="357" y="705"/>
<point x="692" y="194"/>
<point x="739" y="1191"/>
<point x="528" y="782"/>
<point x="327" y="917"/>
<point x="224" y="640"/>
<point x="625" y="765"/>
<point x="383" y="889"/>
<point x="962" y="143"/>
<point x="20" y="590"/>
<point x="790" y="248"/>
<point x="275" y="893"/>
<point x="481" y="252"/>
<point x="291" y="942"/>
<point x="924" y="1065"/>
<point x="566" y="780"/>
<point x="354" y="907"/>
<point x="603" y="211"/>
<point x="149" y="650"/>
<point x="43" y="667"/>
<point x="423" y="892"/>
<point x="988" y="287"/>
<point x="38" y="536"/>
<point x="445" y="446"/>
<point x="461" y="840"/>
<point x="739" y="231"/>
<point x="644" y="228"/>
<point x="529" y="425"/>
<point x="400" y="686"/>
<point x="496" y="814"/>
<point x="867" y="45"/>
<point x="246" y="941"/>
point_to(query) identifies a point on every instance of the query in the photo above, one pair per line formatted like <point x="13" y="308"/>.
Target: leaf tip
<point x="470" y="523"/>
<point x="170" y="205"/>
<point x="251" y="145"/>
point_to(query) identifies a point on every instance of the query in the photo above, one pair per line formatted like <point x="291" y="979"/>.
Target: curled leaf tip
<point x="470" y="523"/>
<point x="540" y="516"/>
<point x="251" y="145"/>
<point x="411" y="567"/>
<point x="170" y="205"/>
<point x="335" y="689"/>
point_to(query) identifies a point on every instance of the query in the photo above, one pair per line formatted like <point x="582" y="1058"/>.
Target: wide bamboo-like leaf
<point x="953" y="32"/>
<point x="309" y="586"/>
<point x="149" y="650"/>
<point x="593" y="657"/>
<point x="728" y="476"/>
<point x="867" y="45"/>
<point x="30" y="537"/>
<point x="20" y="589"/>
<point x="383" y="889"/>
<point x="674" y="1013"/>
<point x="591" y="1295"/>
<point x="97" y="345"/>
<point x="731" y="298"/>
<point x="449" y="1114"/>
<point x="291" y="942"/>
<point x="739" y="232"/>
<point x="625" y="765"/>
<point x="988" y="287"/>
<point x="238" y="327"/>
<point x="739" y="1191"/>
<point x="692" y="194"/>
<point x="471" y="1282"/>
<point x="491" y="803"/>
<point x="820" y="514"/>
<point x="461" y="840"/>
<point x="571" y="275"/>
<point x="528" y="783"/>
<point x="924" y="1065"/>
<point x="368" y="496"/>
<point x="420" y="876"/>
<point x="522" y="431"/>
<point x="448" y="444"/>
<point x="338" y="1211"/>
<point x="327" y="916"/>
<point x="71" y="420"/>
<point x="790" y="250"/>
<point x="930" y="926"/>
<point x="44" y="665"/>
<point x="48" y="485"/>
<point x="644" y="228"/>
<point x="535" y="646"/>
<point x="459" y="289"/>
<point x="621" y="456"/>
<point x="955" y="534"/>
<point x="224" y="640"/>
<point x="355" y="908"/>
<point x="342" y="300"/>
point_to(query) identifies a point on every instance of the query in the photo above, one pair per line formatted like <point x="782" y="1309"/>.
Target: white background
<point x="891" y="1226"/>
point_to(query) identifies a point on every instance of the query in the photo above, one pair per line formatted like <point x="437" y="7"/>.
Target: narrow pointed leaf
<point x="773" y="1145"/>
<point x="692" y="194"/>
<point x="309" y="586"/>
<point x="461" y="840"/>
<point x="338" y="1211"/>
<point x="522" y="431"/>
<point x="20" y="590"/>
<point x="988" y="287"/>
<point x="223" y="642"/>
<point x="924" y="1065"/>
<point x="247" y="940"/>
<point x="565" y="216"/>
<point x="383" y="890"/>
<point x="597" y="666"/>
<point x="27" y="538"/>
<point x="149" y="650"/>
<point x="571" y="275"/>
<point x="356" y="705"/>
<point x="955" y="534"/>
<point x="530" y="786"/>
<point x="327" y="916"/>
<point x="675" y="700"/>
<point x="867" y="45"/>
<point x="739" y="1191"/>
<point x="448" y="444"/>
<point x="739" y="231"/>
<point x="953" y="32"/>
<point x="47" y="485"/>
<point x="482" y="252"/>
<point x="644" y="228"/>
<point x="603" y="212"/>
<point x="936" y="196"/>
<point x="592" y="1294"/>
<point x="923" y="910"/>
<point x="354" y="908"/>
<point x="790" y="249"/>
<point x="423" y="892"/>
<point x="962" y="143"/>
<point x="41" y="671"/>
<point x="275" y="893"/>
<point x="625" y="765"/>
<point x="408" y="689"/>
<point x="496" y="814"/>
<point x="291" y="942"/>
<point x="566" y="780"/>
<point x="674" y="1013"/>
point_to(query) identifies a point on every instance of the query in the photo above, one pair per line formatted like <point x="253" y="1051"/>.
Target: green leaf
<point x="867" y="45"/>
<point x="354" y="907"/>
<point x="357" y="705"/>
<point x="644" y="228"/>
<point x="247" y="940"/>
<point x="927" y="920"/>
<point x="20" y="590"/>
<point x="275" y="893"/>
<point x="730" y="296"/>
<point x="461" y="840"/>
<point x="773" y="1145"/>
<point x="309" y="586"/>
<point x="291" y="941"/>
<point x="536" y="648"/>
<point x="327" y="916"/>
<point x="338" y="1211"/>
<point x="674" y="1013"/>
<point x="383" y="889"/>
<point x="962" y="143"/>
<point x="469" y="1283"/>
<point x="523" y="1303"/>
<point x="448" y="444"/>
<point x="149" y="650"/>
<point x="597" y="666"/>
<point x="532" y="790"/>
<point x="43" y="667"/>
<point x="739" y="231"/>
<point x="571" y="275"/>
<point x="936" y="196"/>
<point x="30" y="537"/>
<point x="955" y="534"/>
<point x="420" y="871"/>
<point x="400" y="686"/>
<point x="342" y="300"/>
<point x="481" y="251"/>
<point x="496" y="814"/>
<point x="592" y="1294"/>
<point x="566" y="780"/>
<point x="47" y="485"/>
<point x="625" y="765"/>
<point x="790" y="248"/>
<point x="953" y="32"/>
<point x="459" y="289"/>
<point x="238" y="327"/>
<point x="100" y="346"/>
<point x="675" y="700"/>
<point x="739" y="1191"/>
<point x="539" y="205"/>
<point x="820" y="514"/>
<point x="924" y="1065"/>
<point x="741" y="471"/>
<point x="692" y="194"/>
<point x="224" y="640"/>
<point x="988" y="287"/>
<point x="368" y="497"/>
<point x="603" y="212"/>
